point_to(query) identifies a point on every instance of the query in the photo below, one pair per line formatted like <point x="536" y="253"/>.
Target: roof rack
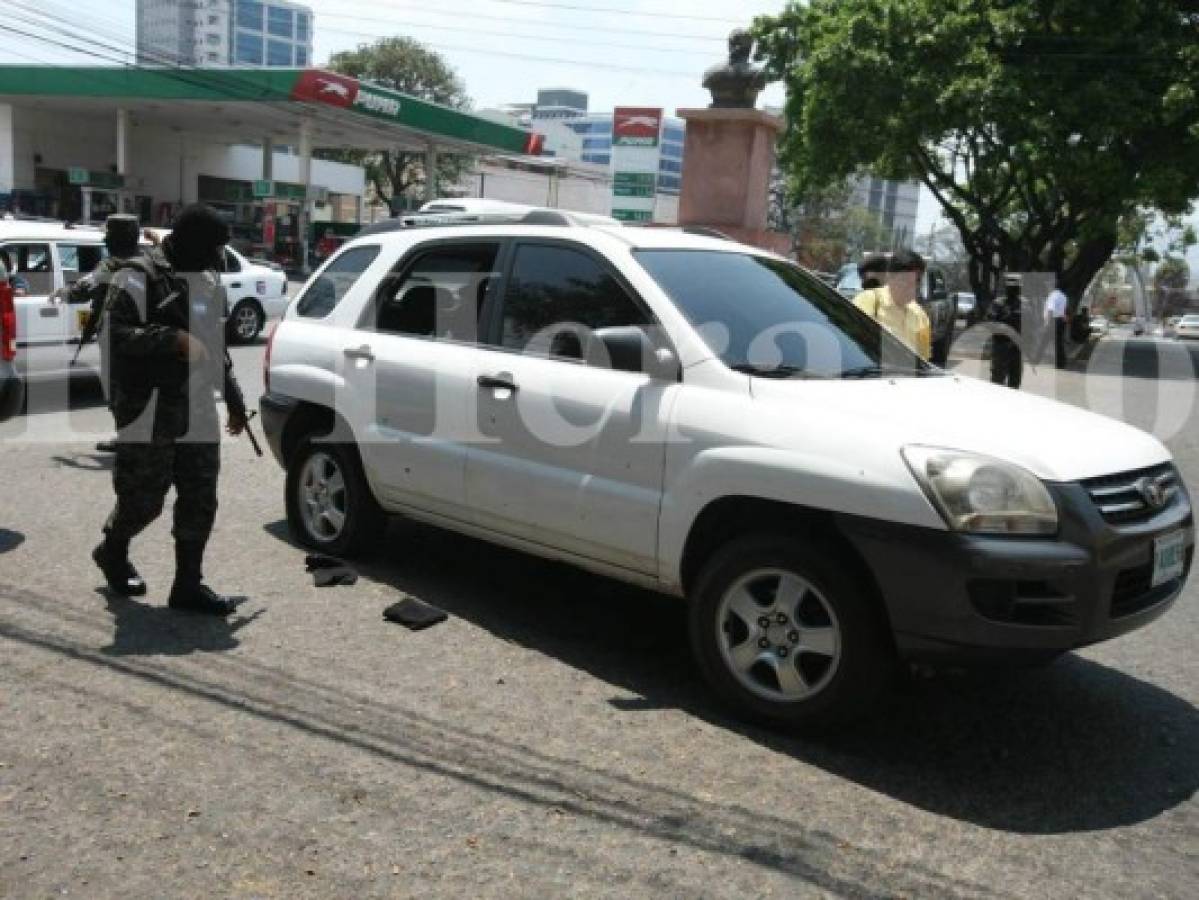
<point x="527" y="215"/>
<point x="704" y="231"/>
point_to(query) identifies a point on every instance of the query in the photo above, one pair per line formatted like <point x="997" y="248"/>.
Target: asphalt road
<point x="551" y="739"/>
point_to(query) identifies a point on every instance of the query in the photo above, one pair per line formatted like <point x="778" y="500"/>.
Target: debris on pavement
<point x="414" y="614"/>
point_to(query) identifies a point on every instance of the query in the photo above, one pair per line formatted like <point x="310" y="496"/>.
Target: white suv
<point x="696" y="416"/>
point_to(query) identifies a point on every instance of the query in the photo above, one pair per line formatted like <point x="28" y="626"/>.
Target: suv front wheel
<point x="330" y="507"/>
<point x="785" y="635"/>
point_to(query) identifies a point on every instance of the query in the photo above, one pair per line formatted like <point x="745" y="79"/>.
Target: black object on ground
<point x="334" y="576"/>
<point x="314" y="561"/>
<point x="414" y="614"/>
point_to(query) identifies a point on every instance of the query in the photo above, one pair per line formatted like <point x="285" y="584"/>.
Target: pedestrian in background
<point x="1007" y="355"/>
<point x="1053" y="325"/>
<point x="894" y="304"/>
<point x="165" y="320"/>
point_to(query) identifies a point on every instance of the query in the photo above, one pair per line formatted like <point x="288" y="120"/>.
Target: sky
<point x="622" y="52"/>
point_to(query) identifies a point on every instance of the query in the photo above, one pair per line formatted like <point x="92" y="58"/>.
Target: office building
<point x="894" y="202"/>
<point x="224" y="33"/>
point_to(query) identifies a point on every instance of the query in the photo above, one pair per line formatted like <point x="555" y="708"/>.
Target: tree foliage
<point x="404" y="65"/>
<point x="1037" y="124"/>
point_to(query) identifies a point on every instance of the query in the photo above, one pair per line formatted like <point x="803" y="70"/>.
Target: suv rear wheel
<point x="330" y="507"/>
<point x="785" y="635"/>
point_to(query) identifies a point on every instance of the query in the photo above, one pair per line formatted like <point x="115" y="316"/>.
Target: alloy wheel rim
<point x="778" y="635"/>
<point x="247" y="322"/>
<point x="322" y="496"/>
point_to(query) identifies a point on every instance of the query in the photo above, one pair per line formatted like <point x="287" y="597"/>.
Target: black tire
<point x="364" y="521"/>
<point x="866" y="661"/>
<point x="241" y="329"/>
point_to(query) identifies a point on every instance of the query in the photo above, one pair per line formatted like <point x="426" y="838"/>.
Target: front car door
<point x="571" y="457"/>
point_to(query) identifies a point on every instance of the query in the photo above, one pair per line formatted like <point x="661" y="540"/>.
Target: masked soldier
<point x="120" y="237"/>
<point x="165" y="324"/>
<point x="1007" y="355"/>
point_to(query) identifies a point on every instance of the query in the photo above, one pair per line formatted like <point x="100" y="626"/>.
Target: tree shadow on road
<point x="144" y="630"/>
<point x="1074" y="747"/>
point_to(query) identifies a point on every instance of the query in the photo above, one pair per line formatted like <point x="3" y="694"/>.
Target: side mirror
<point x="629" y="349"/>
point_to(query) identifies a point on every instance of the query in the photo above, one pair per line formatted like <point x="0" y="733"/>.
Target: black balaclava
<point x="196" y="239"/>
<point x="121" y="234"/>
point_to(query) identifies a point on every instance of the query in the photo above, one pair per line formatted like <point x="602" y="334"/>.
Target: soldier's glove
<point x="237" y="422"/>
<point x="190" y="349"/>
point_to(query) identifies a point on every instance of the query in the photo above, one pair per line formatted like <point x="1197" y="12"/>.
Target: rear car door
<point x="411" y="367"/>
<point x="571" y="457"/>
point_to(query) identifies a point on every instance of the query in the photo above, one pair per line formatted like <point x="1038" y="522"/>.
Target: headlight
<point x="982" y="495"/>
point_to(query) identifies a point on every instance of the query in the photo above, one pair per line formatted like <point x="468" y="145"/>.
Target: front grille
<point x="1122" y="498"/>
<point x="1133" y="592"/>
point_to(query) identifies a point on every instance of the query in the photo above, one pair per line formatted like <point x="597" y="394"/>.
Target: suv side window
<point x="231" y="263"/>
<point x="440" y="294"/>
<point x="557" y="286"/>
<point x="32" y="270"/>
<point x="335" y="282"/>
<point x="78" y="260"/>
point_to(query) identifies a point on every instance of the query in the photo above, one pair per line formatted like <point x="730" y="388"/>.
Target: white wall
<point x="61" y="141"/>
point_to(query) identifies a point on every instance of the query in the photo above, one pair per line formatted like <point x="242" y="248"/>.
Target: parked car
<point x="12" y="388"/>
<point x="43" y="258"/>
<point x="256" y="291"/>
<point x="964" y="304"/>
<point x="1187" y="328"/>
<point x="1099" y="326"/>
<point x="933" y="297"/>
<point x="606" y="397"/>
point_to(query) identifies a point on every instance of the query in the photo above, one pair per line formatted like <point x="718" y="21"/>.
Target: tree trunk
<point x="1091" y="257"/>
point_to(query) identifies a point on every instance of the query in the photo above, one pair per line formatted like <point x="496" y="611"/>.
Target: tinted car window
<point x="79" y="259"/>
<point x="231" y="263"/>
<point x="759" y="313"/>
<point x="335" y="282"/>
<point x="32" y="270"/>
<point x="557" y="286"/>
<point x="440" y="294"/>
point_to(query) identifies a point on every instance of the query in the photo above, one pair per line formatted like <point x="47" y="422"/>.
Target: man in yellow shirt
<point x="894" y="305"/>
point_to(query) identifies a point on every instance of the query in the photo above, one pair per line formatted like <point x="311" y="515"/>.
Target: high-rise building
<point x="224" y="33"/>
<point x="895" y="203"/>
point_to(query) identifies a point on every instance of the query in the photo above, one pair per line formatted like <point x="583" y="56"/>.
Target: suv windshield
<point x="770" y="318"/>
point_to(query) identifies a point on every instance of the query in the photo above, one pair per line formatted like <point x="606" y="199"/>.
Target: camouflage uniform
<point x="165" y="409"/>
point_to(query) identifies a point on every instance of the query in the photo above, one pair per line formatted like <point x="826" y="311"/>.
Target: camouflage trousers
<point x="144" y="472"/>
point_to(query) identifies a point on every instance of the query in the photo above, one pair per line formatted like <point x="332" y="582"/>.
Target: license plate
<point x="1169" y="554"/>
<point x="82" y="316"/>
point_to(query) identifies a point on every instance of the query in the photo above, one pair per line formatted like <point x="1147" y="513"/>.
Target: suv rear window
<point x="335" y="282"/>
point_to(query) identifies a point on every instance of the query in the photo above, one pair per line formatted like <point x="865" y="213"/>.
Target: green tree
<point x="1037" y="124"/>
<point x="404" y="65"/>
<point x="1173" y="274"/>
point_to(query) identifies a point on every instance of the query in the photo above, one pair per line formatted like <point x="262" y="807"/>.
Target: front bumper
<point x="964" y="597"/>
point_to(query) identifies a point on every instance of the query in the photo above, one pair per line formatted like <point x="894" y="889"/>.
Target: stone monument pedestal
<point x="727" y="164"/>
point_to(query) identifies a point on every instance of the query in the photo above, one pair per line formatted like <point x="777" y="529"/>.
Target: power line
<point x="581" y="7"/>
<point x="573" y="29"/>
<point x="515" y="34"/>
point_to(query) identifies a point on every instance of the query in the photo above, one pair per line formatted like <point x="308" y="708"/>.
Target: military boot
<point x="112" y="556"/>
<point x="189" y="592"/>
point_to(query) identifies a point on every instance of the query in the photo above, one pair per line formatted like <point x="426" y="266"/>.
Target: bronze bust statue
<point x="737" y="83"/>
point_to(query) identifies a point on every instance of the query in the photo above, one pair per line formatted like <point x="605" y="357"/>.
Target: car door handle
<point x="48" y="312"/>
<point x="235" y="284"/>
<point x="498" y="383"/>
<point x="364" y="352"/>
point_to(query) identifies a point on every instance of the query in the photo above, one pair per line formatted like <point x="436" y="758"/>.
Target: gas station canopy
<point x="338" y="112"/>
